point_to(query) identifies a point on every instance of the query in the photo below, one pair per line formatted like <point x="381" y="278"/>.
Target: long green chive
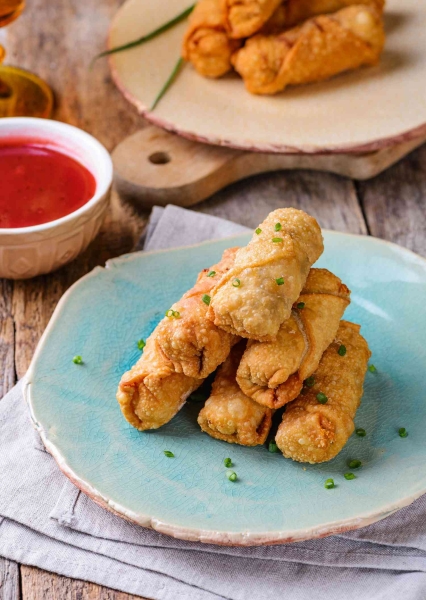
<point x="211" y="274"/>
<point x="278" y="227"/>
<point x="310" y="382"/>
<point x="172" y="313"/>
<point x="77" y="360"/>
<point x="206" y="299"/>
<point x="300" y="305"/>
<point x="342" y="350"/>
<point x="402" y="432"/>
<point x="354" y="464"/>
<point x="329" y="484"/>
<point x="141" y="344"/>
<point x="258" y="231"/>
<point x="227" y="462"/>
<point x="236" y="282"/>
<point x="372" y="369"/>
<point x="231" y="475"/>
<point x="168" y="83"/>
<point x="280" y="281"/>
<point x="322" y="398"/>
<point x="277" y="240"/>
<point x="349" y="476"/>
<point x="361" y="432"/>
<point x="149" y="36"/>
<point x="169" y="454"/>
<point x="273" y="448"/>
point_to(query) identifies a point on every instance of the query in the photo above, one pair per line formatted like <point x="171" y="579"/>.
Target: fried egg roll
<point x="314" y="432"/>
<point x="229" y="414"/>
<point x="206" y="44"/>
<point x="151" y="393"/>
<point x="272" y="373"/>
<point x="256" y="295"/>
<point x="192" y="342"/>
<point x="315" y="51"/>
<point x="243" y="18"/>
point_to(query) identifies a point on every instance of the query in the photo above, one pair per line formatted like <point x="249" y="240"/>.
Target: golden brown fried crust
<point x="228" y="414"/>
<point x="243" y="18"/>
<point x="313" y="432"/>
<point x="206" y="44"/>
<point x="248" y="301"/>
<point x="273" y="373"/>
<point x="315" y="51"/>
<point x="193" y="343"/>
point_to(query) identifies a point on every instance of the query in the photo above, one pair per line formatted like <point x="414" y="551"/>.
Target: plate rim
<point x="351" y="148"/>
<point x="221" y="538"/>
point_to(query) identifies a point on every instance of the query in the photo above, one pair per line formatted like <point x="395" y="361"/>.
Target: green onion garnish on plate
<point x="169" y="454"/>
<point x="77" y="360"/>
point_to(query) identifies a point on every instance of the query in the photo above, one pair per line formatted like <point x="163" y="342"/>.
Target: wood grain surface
<point x="57" y="40"/>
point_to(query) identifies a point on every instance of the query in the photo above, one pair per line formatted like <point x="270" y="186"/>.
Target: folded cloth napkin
<point x="47" y="522"/>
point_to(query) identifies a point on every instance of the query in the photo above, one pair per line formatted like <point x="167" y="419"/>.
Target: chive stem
<point x="168" y="83"/>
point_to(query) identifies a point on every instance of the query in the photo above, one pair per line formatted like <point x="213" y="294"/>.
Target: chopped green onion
<point x="141" y="344"/>
<point x="310" y="382"/>
<point x="211" y="274"/>
<point x="322" y="398"/>
<point x="227" y="462"/>
<point x="329" y="484"/>
<point x="403" y="432"/>
<point x="280" y="281"/>
<point x="361" y="432"/>
<point x="169" y="454"/>
<point x="172" y="313"/>
<point x="372" y="369"/>
<point x="206" y="299"/>
<point x="349" y="476"/>
<point x="236" y="282"/>
<point x="277" y="240"/>
<point x="342" y="350"/>
<point x="149" y="36"/>
<point x="77" y="360"/>
<point x="231" y="475"/>
<point x="278" y="227"/>
<point x="168" y="83"/>
<point x="354" y="464"/>
<point x="300" y="305"/>
<point x="273" y="448"/>
<point x="258" y="231"/>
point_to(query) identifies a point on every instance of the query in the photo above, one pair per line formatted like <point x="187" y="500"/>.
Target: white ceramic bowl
<point x="29" y="251"/>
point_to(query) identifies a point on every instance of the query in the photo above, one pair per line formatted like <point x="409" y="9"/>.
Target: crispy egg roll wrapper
<point x="312" y="432"/>
<point x="229" y="414"/>
<point x="272" y="373"/>
<point x="193" y="343"/>
<point x="206" y="44"/>
<point x="315" y="51"/>
<point x="243" y="18"/>
<point x="259" y="305"/>
<point x="151" y="393"/>
<point x="293" y="12"/>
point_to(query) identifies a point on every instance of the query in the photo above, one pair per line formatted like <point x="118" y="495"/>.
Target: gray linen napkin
<point x="45" y="521"/>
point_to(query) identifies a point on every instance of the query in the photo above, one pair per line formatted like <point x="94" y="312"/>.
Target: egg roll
<point x="193" y="343"/>
<point x="206" y="44"/>
<point x="313" y="432"/>
<point x="243" y="18"/>
<point x="228" y="414"/>
<point x="256" y="295"/>
<point x="272" y="373"/>
<point x="315" y="51"/>
<point x="151" y="393"/>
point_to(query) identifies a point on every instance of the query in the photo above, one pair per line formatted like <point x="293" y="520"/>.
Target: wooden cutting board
<point x="154" y="167"/>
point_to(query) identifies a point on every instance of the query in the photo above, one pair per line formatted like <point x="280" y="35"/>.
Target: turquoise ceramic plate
<point x="275" y="500"/>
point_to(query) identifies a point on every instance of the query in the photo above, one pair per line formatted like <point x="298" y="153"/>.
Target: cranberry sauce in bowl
<point x="39" y="184"/>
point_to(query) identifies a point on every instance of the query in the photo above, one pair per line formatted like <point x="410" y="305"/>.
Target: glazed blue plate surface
<point x="189" y="496"/>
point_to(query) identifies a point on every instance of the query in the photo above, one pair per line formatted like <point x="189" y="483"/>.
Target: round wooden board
<point x="361" y="111"/>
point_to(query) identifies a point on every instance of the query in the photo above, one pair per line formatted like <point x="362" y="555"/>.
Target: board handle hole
<point x="160" y="158"/>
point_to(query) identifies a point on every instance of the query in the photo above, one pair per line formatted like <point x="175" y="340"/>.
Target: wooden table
<point x="57" y="40"/>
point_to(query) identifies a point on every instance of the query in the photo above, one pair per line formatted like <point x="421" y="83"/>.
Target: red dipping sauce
<point x="39" y="185"/>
